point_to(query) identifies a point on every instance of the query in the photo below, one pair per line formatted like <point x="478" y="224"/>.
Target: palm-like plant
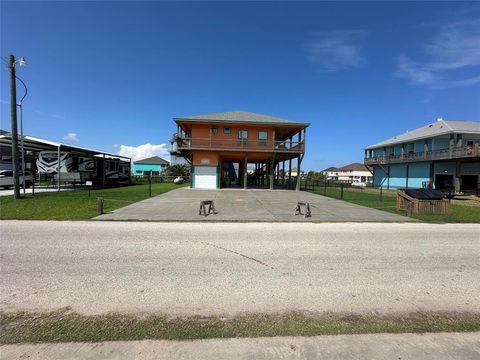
<point x="178" y="170"/>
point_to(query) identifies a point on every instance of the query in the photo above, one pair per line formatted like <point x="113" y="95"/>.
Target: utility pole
<point x="13" y="110"/>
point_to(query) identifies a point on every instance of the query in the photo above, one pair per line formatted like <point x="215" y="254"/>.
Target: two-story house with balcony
<point x="444" y="155"/>
<point x="240" y="149"/>
<point x="351" y="173"/>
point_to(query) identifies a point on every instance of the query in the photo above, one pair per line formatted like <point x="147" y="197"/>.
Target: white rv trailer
<point x="79" y="169"/>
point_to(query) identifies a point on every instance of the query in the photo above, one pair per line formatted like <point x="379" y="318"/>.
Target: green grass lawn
<point x="371" y="198"/>
<point x="61" y="326"/>
<point x="75" y="204"/>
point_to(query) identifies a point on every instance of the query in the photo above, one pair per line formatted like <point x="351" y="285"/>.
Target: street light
<point x="22" y="62"/>
<point x="20" y="105"/>
<point x="13" y="110"/>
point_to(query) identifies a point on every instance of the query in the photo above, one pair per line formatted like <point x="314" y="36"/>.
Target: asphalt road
<point x="227" y="268"/>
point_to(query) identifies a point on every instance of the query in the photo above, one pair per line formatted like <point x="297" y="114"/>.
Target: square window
<point x="243" y="134"/>
<point x="227" y="130"/>
<point x="262" y="135"/>
<point x="213" y="130"/>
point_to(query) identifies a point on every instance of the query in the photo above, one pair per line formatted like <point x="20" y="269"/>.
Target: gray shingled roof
<point x="331" y="168"/>
<point x="439" y="127"/>
<point x="240" y="116"/>
<point x="353" y="167"/>
<point x="156" y="160"/>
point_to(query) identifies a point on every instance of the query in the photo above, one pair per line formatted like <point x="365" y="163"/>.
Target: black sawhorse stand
<point x="203" y="208"/>
<point x="298" y="209"/>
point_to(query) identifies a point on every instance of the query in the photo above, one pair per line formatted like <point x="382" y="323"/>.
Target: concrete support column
<point x="431" y="175"/>
<point x="289" y="172"/>
<point x="245" y="173"/>
<point x="457" y="179"/>
<point x="298" y="173"/>
<point x="271" y="171"/>
<point x="388" y="177"/>
<point x="406" y="175"/>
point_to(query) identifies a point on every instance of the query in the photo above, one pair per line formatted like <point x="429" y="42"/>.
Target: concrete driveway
<point x="247" y="205"/>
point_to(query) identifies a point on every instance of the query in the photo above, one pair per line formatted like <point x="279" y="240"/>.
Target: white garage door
<point x="205" y="177"/>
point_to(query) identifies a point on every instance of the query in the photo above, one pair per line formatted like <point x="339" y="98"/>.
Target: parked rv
<point x="79" y="169"/>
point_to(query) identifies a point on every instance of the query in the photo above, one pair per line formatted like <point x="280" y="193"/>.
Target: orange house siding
<point x="203" y="131"/>
<point x="205" y="158"/>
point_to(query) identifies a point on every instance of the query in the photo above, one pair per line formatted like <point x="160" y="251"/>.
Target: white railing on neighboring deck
<point x="443" y="154"/>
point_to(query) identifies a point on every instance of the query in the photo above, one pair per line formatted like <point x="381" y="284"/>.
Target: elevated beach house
<point x="444" y="155"/>
<point x="240" y="149"/>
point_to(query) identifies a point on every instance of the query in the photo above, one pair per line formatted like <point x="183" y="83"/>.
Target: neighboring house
<point x="330" y="173"/>
<point x="221" y="146"/>
<point x="444" y="155"/>
<point x="153" y="165"/>
<point x="350" y="173"/>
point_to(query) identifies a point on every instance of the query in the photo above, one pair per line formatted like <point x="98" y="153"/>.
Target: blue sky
<point x="115" y="73"/>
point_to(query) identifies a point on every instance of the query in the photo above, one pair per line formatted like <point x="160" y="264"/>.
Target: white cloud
<point x="144" y="151"/>
<point x="450" y="58"/>
<point x="71" y="137"/>
<point x="330" y="51"/>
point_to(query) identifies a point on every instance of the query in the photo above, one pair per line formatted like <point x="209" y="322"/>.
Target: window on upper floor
<point x="213" y="130"/>
<point x="227" y="130"/>
<point x="262" y="137"/>
<point x="243" y="134"/>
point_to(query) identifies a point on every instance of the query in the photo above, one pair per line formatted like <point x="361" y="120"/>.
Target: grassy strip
<point x="371" y="198"/>
<point x="62" y="326"/>
<point x="75" y="204"/>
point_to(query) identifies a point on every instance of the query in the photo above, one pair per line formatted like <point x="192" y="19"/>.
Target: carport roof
<point x="31" y="143"/>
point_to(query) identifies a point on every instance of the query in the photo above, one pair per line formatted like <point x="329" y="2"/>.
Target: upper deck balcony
<point x="443" y="154"/>
<point x="188" y="143"/>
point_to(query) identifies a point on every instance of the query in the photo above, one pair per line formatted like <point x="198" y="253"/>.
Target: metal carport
<point x="33" y="145"/>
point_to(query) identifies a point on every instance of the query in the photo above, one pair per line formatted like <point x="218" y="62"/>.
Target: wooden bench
<point x="298" y="209"/>
<point x="203" y="208"/>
